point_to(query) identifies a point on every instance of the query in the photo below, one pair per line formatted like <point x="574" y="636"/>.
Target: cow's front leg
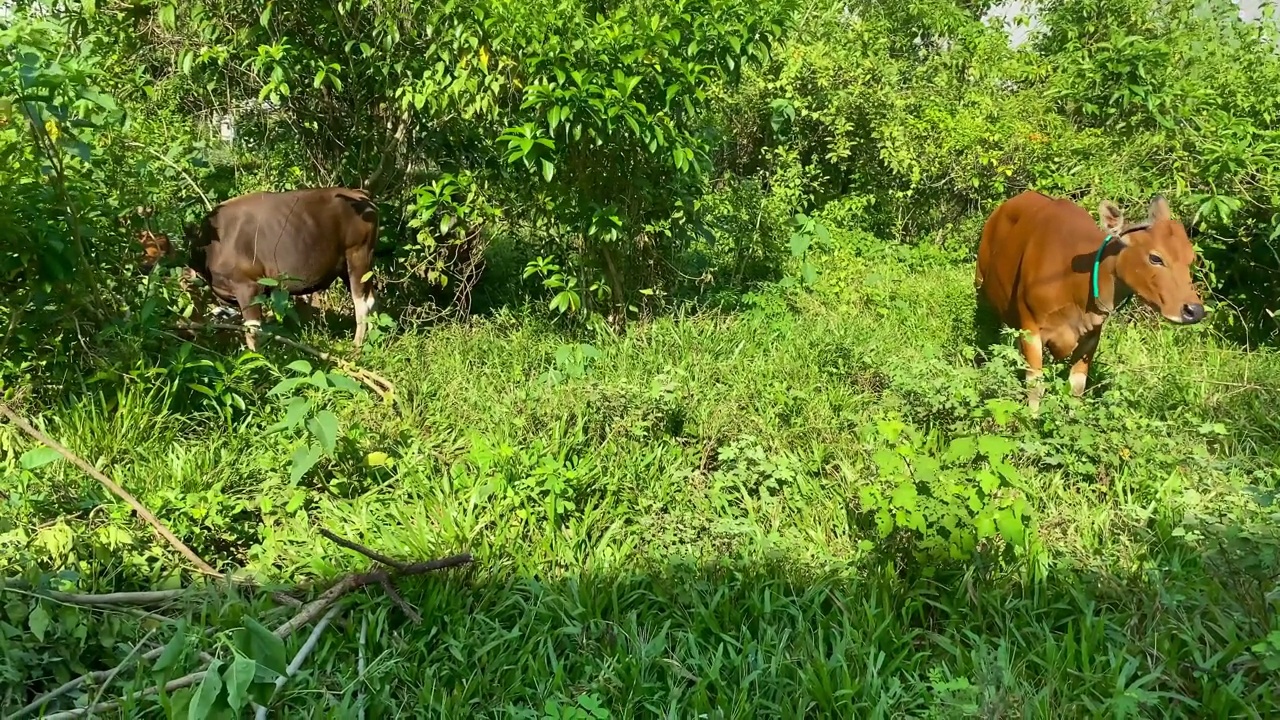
<point x="1033" y="352"/>
<point x="251" y="313"/>
<point x="1084" y="353"/>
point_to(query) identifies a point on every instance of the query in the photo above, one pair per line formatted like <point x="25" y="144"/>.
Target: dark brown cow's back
<point x="1036" y="268"/>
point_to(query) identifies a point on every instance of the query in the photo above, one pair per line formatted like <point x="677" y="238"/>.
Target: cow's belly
<point x="306" y="286"/>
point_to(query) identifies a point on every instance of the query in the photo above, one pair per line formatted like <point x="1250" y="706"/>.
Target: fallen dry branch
<point x="118" y="491"/>
<point x="185" y="681"/>
<point x="260" y="713"/>
<point x="93" y="677"/>
<point x="322" y="608"/>
<point x="367" y="552"/>
<point x="381" y="386"/>
<point x="154" y="597"/>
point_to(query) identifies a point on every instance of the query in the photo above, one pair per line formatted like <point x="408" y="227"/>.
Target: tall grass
<point x="668" y="523"/>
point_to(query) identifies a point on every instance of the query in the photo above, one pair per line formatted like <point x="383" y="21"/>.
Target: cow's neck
<point x="1111" y="290"/>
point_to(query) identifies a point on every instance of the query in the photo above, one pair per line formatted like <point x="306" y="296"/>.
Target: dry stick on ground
<point x="119" y="492"/>
<point x="144" y="513"/>
<point x="308" y="614"/>
<point x="154" y="597"/>
<point x="93" y="677"/>
<point x="375" y="382"/>
<point x="260" y="713"/>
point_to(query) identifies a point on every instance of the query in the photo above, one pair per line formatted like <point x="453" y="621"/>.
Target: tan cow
<point x="1046" y="268"/>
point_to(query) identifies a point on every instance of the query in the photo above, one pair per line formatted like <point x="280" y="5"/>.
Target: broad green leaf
<point x="106" y="102"/>
<point x="207" y="693"/>
<point x="302" y="367"/>
<point x="304" y="458"/>
<point x="800" y="244"/>
<point x="261" y="645"/>
<point x="889" y="462"/>
<point x="173" y="649"/>
<point x="38" y="620"/>
<point x="324" y="426"/>
<point x="961" y="449"/>
<point x="904" y="496"/>
<point x="548" y="170"/>
<point x="238" y="677"/>
<point x="995" y="447"/>
<point x="342" y="382"/>
<point x="295" y="412"/>
<point x="376" y="459"/>
<point x="168" y="17"/>
<point x="37" y="457"/>
<point x="808" y="273"/>
<point x="1011" y="527"/>
<point x="286" y="385"/>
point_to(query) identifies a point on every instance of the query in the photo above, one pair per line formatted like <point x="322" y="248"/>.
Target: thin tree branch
<point x="261" y="712"/>
<point x="154" y="597"/>
<point x="375" y="382"/>
<point x="71" y="685"/>
<point x="371" y="554"/>
<point x="118" y="491"/>
<point x="208" y="205"/>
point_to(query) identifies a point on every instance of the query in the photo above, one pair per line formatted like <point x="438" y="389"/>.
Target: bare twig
<point x="375" y="382"/>
<point x="208" y="205"/>
<point x="321" y="606"/>
<point x="261" y="712"/>
<point x="121" y="598"/>
<point x="111" y="674"/>
<point x="183" y="682"/>
<point x="71" y="685"/>
<point x="118" y="491"/>
<point x="390" y="589"/>
<point x="371" y="554"/>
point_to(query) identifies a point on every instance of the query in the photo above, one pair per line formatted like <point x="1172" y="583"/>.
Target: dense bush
<point x="629" y="150"/>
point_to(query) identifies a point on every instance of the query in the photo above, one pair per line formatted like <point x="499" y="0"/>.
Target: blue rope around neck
<point x="1097" y="260"/>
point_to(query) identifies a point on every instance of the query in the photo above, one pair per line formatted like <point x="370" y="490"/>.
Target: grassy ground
<point x="690" y="521"/>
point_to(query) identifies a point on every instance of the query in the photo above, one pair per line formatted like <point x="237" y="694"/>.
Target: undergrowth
<point x="819" y="504"/>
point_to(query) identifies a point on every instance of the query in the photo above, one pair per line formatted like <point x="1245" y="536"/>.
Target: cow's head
<point x="155" y="248"/>
<point x="1155" y="262"/>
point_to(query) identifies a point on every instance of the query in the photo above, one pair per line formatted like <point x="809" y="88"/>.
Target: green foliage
<point x="953" y="501"/>
<point x="817" y="504"/>
<point x="590" y="123"/>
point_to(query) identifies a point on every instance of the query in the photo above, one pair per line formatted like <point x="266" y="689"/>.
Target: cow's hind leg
<point x="359" y="262"/>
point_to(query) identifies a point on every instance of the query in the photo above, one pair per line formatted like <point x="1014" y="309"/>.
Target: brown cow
<point x="313" y="236"/>
<point x="1047" y="269"/>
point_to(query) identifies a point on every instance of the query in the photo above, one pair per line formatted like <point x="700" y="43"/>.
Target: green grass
<point x="676" y="527"/>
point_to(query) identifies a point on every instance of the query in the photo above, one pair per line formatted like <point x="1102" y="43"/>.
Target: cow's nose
<point x="1192" y="313"/>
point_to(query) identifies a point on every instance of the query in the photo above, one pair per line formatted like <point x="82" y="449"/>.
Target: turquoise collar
<point x="1097" y="260"/>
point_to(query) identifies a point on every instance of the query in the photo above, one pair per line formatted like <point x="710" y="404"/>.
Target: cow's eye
<point x="1155" y="259"/>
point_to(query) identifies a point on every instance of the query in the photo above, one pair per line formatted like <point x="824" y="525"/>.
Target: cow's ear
<point x="1158" y="210"/>
<point x="1110" y="218"/>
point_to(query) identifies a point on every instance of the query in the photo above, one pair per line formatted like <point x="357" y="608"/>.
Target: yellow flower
<point x="51" y="128"/>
